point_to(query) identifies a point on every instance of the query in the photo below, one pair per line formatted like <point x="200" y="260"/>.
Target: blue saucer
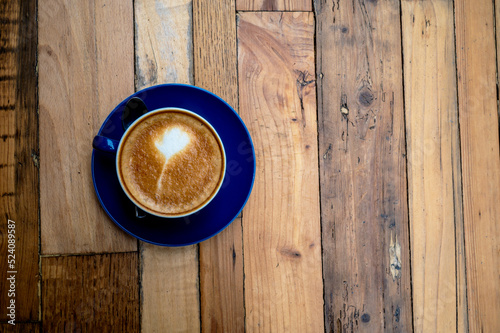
<point x="221" y="211"/>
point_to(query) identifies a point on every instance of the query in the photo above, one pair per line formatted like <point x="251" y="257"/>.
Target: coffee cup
<point x="170" y="162"/>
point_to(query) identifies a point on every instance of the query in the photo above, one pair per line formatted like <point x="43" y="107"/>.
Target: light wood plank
<point x="19" y="188"/>
<point x="477" y="96"/>
<point x="433" y="166"/>
<point x="97" y="293"/>
<point x="214" y="40"/>
<point x="163" y="42"/>
<point x="169" y="278"/>
<point x="221" y="257"/>
<point x="274" y="5"/>
<point x="85" y="69"/>
<point x="221" y="281"/>
<point x="497" y="29"/>
<point x="281" y="222"/>
<point x="170" y="296"/>
<point x="366" y="260"/>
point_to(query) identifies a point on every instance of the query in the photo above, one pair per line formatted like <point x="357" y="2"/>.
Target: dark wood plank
<point x="477" y="96"/>
<point x="366" y="262"/>
<point x="19" y="190"/>
<point x="20" y="328"/>
<point x="274" y="5"/>
<point x="281" y="222"/>
<point x="169" y="276"/>
<point x="95" y="293"/>
<point x="434" y="179"/>
<point x="221" y="257"/>
<point x="86" y="68"/>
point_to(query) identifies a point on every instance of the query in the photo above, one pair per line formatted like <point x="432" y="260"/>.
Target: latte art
<point x="174" y="140"/>
<point x="171" y="163"/>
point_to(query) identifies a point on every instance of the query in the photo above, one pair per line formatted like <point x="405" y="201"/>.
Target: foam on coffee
<point x="171" y="162"/>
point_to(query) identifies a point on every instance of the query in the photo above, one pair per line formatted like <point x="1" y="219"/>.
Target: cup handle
<point x="108" y="145"/>
<point x="105" y="144"/>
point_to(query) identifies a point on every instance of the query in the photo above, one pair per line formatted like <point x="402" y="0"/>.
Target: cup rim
<point x="140" y="205"/>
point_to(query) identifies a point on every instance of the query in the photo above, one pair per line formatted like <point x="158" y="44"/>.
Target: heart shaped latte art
<point x="173" y="141"/>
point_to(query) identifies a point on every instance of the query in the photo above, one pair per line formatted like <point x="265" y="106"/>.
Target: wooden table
<point x="376" y="203"/>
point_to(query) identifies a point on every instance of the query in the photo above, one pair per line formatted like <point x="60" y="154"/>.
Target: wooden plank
<point x="460" y="270"/>
<point x="163" y="42"/>
<point x="281" y="222"/>
<point x="19" y="188"/>
<point x="221" y="257"/>
<point x="221" y="281"/>
<point x="477" y="98"/>
<point x="20" y="328"/>
<point x="85" y="59"/>
<point x="169" y="276"/>
<point x="170" y="290"/>
<point x="497" y="30"/>
<point x="96" y="293"/>
<point x="214" y="40"/>
<point x="366" y="262"/>
<point x="274" y="5"/>
<point x="434" y="179"/>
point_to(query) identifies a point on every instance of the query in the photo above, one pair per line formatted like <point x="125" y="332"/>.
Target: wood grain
<point x="163" y="42"/>
<point x="85" y="69"/>
<point x="497" y="30"/>
<point x="221" y="281"/>
<point x="20" y="328"/>
<point x="214" y="40"/>
<point x="281" y="222"/>
<point x="274" y="5"/>
<point x="477" y="95"/>
<point x="96" y="293"/>
<point x="433" y="165"/>
<point x="19" y="190"/>
<point x="221" y="257"/>
<point x="170" y="289"/>
<point x="366" y="262"/>
<point x="169" y="276"/>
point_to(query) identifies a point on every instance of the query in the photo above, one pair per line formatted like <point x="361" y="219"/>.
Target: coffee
<point x="171" y="162"/>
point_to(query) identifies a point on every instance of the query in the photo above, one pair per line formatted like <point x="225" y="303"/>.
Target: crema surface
<point x="171" y="163"/>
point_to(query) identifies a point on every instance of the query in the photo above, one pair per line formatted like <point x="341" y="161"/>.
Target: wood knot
<point x="397" y="314"/>
<point x="36" y="158"/>
<point x="365" y="318"/>
<point x="290" y="253"/>
<point x="366" y="98"/>
<point x="234" y="256"/>
<point x="395" y="258"/>
<point x="344" y="30"/>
